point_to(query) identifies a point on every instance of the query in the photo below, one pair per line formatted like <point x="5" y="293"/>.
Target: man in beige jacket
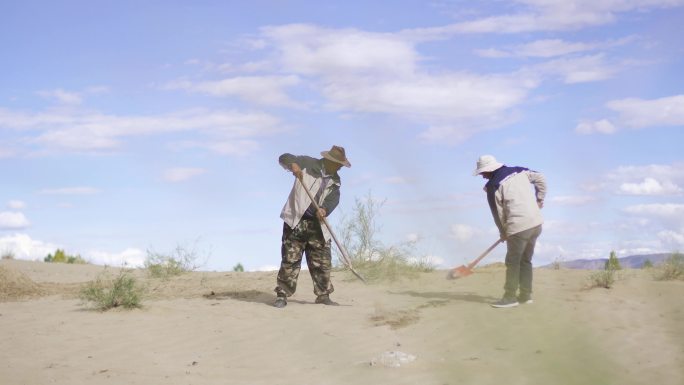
<point x="303" y="230"/>
<point x="517" y="213"/>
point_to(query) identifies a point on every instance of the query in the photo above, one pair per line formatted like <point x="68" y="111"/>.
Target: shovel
<point x="345" y="258"/>
<point x="464" y="271"/>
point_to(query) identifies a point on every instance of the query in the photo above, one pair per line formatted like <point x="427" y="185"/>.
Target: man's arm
<point x="295" y="163"/>
<point x="331" y="200"/>
<point x="539" y="182"/>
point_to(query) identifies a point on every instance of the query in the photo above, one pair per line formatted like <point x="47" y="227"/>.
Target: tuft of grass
<point x="180" y="260"/>
<point x="671" y="269"/>
<point x="105" y="293"/>
<point x="603" y="278"/>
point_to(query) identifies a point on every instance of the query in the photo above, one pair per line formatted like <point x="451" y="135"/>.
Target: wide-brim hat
<point x="486" y="163"/>
<point x="336" y="154"/>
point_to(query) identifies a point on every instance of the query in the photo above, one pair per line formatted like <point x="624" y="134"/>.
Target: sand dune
<point x="220" y="327"/>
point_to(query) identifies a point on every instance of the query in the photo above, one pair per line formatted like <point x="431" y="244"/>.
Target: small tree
<point x="238" y="268"/>
<point x="613" y="263"/>
<point x="647" y="264"/>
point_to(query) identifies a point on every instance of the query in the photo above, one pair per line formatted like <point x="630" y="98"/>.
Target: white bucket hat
<point x="486" y="163"/>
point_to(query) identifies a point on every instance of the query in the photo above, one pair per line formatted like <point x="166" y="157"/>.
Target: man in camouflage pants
<point x="303" y="230"/>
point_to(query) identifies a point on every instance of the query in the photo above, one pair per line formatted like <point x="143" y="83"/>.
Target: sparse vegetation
<point x="238" y="268"/>
<point x="602" y="278"/>
<point x="106" y="293"/>
<point x="165" y="266"/>
<point x="647" y="264"/>
<point x="8" y="254"/>
<point x="557" y="263"/>
<point x="369" y="256"/>
<point x="671" y="269"/>
<point x="613" y="263"/>
<point x="606" y="277"/>
<point x="61" y="256"/>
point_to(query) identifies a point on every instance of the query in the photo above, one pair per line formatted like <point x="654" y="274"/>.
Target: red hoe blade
<point x="464" y="271"/>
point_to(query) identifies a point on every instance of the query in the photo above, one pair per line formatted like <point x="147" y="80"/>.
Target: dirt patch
<point x="395" y="319"/>
<point x="16" y="285"/>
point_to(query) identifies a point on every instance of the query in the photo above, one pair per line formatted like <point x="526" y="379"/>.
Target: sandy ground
<point x="220" y="327"/>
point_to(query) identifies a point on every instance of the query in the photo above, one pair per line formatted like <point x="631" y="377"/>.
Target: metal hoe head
<point x="459" y="272"/>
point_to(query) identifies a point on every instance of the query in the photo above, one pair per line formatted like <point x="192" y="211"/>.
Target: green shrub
<point x="606" y="277"/>
<point x="105" y="293"/>
<point x="613" y="263"/>
<point x="671" y="269"/>
<point x="603" y="278"/>
<point x="238" y="268"/>
<point x="61" y="257"/>
<point x="647" y="264"/>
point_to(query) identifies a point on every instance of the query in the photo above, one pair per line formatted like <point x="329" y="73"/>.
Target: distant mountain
<point x="631" y="262"/>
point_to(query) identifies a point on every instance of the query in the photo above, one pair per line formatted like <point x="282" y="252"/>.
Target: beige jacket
<point x="298" y="201"/>
<point x="513" y="203"/>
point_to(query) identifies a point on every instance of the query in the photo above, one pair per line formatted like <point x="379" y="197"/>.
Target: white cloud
<point x="62" y="96"/>
<point x="267" y="90"/>
<point x="545" y="15"/>
<point x="313" y="50"/>
<point x="6" y="153"/>
<point x="541" y="48"/>
<point x="77" y="131"/>
<point x="580" y="69"/>
<point x="24" y="247"/>
<point x="547" y="48"/>
<point x="367" y="72"/>
<point x="654" y="179"/>
<point x="181" y="174"/>
<point x="130" y="257"/>
<point x="603" y="126"/>
<point x="81" y="190"/>
<point x="673" y="239"/>
<point x="572" y="200"/>
<point x="463" y="232"/>
<point x="11" y="220"/>
<point x="640" y="113"/>
<point x="650" y="186"/>
<point x="269" y="268"/>
<point x="16" y="205"/>
<point x="662" y="210"/>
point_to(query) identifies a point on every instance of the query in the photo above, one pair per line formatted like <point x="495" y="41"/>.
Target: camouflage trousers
<point x="307" y="237"/>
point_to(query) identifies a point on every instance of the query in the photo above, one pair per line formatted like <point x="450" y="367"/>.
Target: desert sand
<point x="220" y="328"/>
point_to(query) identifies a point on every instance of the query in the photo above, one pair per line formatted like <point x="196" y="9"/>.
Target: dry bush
<point x="671" y="269"/>
<point x="105" y="292"/>
<point x="373" y="260"/>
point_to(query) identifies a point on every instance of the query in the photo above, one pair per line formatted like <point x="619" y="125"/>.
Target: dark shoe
<point x="325" y="300"/>
<point x="505" y="302"/>
<point x="280" y="302"/>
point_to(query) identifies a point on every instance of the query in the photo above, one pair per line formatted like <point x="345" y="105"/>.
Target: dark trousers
<point x="520" y="248"/>
<point x="306" y="237"/>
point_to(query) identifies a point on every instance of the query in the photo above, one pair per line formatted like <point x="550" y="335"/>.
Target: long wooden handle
<point x="345" y="256"/>
<point x="478" y="259"/>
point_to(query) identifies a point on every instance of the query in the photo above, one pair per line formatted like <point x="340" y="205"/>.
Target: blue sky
<point x="128" y="127"/>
